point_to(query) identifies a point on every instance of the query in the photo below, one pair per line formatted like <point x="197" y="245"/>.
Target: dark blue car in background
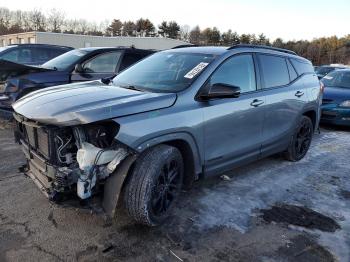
<point x="32" y="54"/>
<point x="74" y="66"/>
<point x="336" y="98"/>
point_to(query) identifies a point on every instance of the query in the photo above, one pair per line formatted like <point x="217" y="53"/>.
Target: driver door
<point x="100" y="66"/>
<point x="233" y="126"/>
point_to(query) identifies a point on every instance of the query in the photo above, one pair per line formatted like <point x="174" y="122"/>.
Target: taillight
<point x="321" y="87"/>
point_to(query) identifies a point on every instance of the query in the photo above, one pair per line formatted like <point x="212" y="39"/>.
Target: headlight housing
<point x="345" y="103"/>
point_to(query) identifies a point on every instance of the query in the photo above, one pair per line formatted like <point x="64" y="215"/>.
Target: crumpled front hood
<point x="8" y="68"/>
<point x="87" y="102"/>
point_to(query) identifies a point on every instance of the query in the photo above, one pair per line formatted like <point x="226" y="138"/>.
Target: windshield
<point x="337" y="79"/>
<point x="65" y="61"/>
<point x="164" y="72"/>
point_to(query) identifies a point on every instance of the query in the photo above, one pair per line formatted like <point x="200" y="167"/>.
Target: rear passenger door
<point x="285" y="97"/>
<point x="233" y="126"/>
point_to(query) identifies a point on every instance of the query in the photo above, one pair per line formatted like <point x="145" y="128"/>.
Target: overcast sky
<point x="289" y="19"/>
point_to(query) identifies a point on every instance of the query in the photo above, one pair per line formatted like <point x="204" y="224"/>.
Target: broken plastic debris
<point x="225" y="178"/>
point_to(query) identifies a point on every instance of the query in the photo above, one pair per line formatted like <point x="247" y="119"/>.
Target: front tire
<point x="301" y="140"/>
<point x="154" y="185"/>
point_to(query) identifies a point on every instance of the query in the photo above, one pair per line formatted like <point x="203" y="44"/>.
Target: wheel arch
<point x="313" y="116"/>
<point x="186" y="144"/>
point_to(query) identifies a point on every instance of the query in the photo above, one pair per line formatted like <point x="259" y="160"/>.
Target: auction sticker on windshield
<point x="197" y="69"/>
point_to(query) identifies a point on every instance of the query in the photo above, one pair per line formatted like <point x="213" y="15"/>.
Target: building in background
<point x="78" y="41"/>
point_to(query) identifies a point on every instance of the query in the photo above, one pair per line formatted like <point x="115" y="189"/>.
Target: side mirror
<point x="78" y="68"/>
<point x="221" y="90"/>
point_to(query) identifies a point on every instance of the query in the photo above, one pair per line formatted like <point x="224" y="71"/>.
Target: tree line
<point x="324" y="50"/>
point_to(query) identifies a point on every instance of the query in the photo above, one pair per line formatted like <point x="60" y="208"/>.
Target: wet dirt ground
<point x="251" y="215"/>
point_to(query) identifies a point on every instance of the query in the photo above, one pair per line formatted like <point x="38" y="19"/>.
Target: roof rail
<point x="263" y="47"/>
<point x="183" y="46"/>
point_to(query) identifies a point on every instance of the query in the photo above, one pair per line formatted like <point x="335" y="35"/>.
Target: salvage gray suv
<point x="172" y="118"/>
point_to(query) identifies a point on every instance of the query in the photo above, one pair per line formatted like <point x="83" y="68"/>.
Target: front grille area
<point x="43" y="142"/>
<point x="38" y="139"/>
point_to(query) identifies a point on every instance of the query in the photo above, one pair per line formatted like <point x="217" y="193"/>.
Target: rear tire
<point x="154" y="185"/>
<point x="301" y="140"/>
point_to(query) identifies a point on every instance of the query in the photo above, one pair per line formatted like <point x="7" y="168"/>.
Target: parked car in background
<point x="31" y="54"/>
<point x="336" y="98"/>
<point x="322" y="71"/>
<point x="75" y="66"/>
<point x="164" y="122"/>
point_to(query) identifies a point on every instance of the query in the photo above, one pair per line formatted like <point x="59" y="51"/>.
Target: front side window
<point x="164" y="71"/>
<point x="65" y="61"/>
<point x="274" y="70"/>
<point x="105" y="63"/>
<point x="236" y="71"/>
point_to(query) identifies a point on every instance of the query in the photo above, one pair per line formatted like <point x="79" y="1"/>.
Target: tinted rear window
<point x="274" y="70"/>
<point x="302" y="67"/>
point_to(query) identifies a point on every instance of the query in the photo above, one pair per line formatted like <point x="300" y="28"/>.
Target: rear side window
<point x="56" y="52"/>
<point x="274" y="71"/>
<point x="130" y="59"/>
<point x="292" y="73"/>
<point x="302" y="67"/>
<point x="40" y="54"/>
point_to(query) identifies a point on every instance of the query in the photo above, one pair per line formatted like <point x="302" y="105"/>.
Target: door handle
<point x="299" y="94"/>
<point x="256" y="102"/>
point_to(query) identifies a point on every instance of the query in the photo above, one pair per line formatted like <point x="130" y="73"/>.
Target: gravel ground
<point x="217" y="220"/>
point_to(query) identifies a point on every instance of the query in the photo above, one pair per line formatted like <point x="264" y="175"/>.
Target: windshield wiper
<point x="132" y="88"/>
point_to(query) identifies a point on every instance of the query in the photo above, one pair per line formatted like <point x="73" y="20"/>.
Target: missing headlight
<point x="101" y="134"/>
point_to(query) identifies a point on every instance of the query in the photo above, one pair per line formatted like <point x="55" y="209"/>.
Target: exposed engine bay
<point x="66" y="160"/>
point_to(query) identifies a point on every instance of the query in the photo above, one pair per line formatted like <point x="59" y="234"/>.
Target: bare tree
<point x="38" y="20"/>
<point x="185" y="32"/>
<point x="5" y="19"/>
<point x="195" y="35"/>
<point x="82" y="27"/>
<point x="55" y="20"/>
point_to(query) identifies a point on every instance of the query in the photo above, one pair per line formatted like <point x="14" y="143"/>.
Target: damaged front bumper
<point x="82" y="168"/>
